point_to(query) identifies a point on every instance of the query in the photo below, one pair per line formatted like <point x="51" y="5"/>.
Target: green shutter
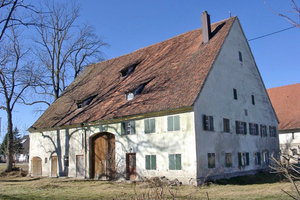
<point x="204" y="122"/>
<point x="170" y="123"/>
<point x="153" y="162"/>
<point x="240" y="159"/>
<point x="237" y="130"/>
<point x="211" y="121"/>
<point x="146" y="126"/>
<point x="178" y="161"/>
<point x="247" y="159"/>
<point x="147" y="162"/>
<point x="122" y="128"/>
<point x="132" y="127"/>
<point x="171" y="162"/>
<point x="176" y="123"/>
<point x="152" y="125"/>
<point x="245" y="128"/>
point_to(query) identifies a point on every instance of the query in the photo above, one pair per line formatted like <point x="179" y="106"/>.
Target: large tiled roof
<point x="173" y="70"/>
<point x="286" y="102"/>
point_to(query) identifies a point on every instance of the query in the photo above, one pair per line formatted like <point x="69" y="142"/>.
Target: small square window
<point x="241" y="127"/>
<point x="273" y="131"/>
<point x="263" y="130"/>
<point x="46" y="160"/>
<point x="128" y="128"/>
<point x="211" y="160"/>
<point x="294" y="151"/>
<point x="257" y="158"/>
<point x="253" y="129"/>
<point x="243" y="159"/>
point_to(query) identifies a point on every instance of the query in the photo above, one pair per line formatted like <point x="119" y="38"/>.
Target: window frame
<point x="228" y="164"/>
<point x="241" y="127"/>
<point x="128" y="128"/>
<point x="263" y="130"/>
<point x="273" y="131"/>
<point x="257" y="158"/>
<point x="152" y="165"/>
<point x="253" y="129"/>
<point x="211" y="160"/>
<point x="147" y="123"/>
<point x="173" y="123"/>
<point x="243" y="159"/>
<point x="226" y="125"/>
<point x="208" y="123"/>
<point x="176" y="160"/>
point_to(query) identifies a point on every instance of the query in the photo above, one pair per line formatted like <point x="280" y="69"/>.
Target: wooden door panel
<point x="54" y="166"/>
<point x="36" y="166"/>
<point x="131" y="166"/>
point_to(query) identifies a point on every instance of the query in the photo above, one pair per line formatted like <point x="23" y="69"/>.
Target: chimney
<point x="206" y="32"/>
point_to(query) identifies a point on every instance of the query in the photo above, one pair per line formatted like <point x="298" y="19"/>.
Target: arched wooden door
<point x="103" y="156"/>
<point x="36" y="166"/>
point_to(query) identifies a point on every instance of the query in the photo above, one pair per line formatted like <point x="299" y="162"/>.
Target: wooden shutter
<point x="178" y="161"/>
<point x="152" y="125"/>
<point x="205" y="125"/>
<point x="211" y="123"/>
<point x="258" y="157"/>
<point x="147" y="162"/>
<point x="171" y="161"/>
<point x="153" y="161"/>
<point x="146" y="126"/>
<point x="240" y="159"/>
<point x="245" y="128"/>
<point x="176" y="123"/>
<point x="170" y="123"/>
<point x="237" y="128"/>
<point x="123" y="128"/>
<point x="247" y="159"/>
<point x="132" y="127"/>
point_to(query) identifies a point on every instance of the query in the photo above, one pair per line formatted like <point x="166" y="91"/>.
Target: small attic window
<point x="128" y="70"/>
<point x="240" y="56"/>
<point x="138" y="90"/>
<point x="85" y="102"/>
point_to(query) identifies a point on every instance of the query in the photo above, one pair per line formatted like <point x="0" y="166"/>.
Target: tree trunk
<point x="10" y="141"/>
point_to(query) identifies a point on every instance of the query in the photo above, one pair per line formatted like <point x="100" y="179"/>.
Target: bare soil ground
<point x="251" y="187"/>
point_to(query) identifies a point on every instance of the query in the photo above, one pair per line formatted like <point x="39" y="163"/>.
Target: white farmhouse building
<point x="191" y="107"/>
<point x="286" y="103"/>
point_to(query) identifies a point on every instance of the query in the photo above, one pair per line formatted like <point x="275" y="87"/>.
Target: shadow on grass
<point x="19" y="180"/>
<point x="8" y="197"/>
<point x="259" y="178"/>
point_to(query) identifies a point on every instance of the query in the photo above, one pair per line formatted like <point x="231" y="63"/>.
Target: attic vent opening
<point x="138" y="90"/>
<point x="85" y="102"/>
<point x="128" y="70"/>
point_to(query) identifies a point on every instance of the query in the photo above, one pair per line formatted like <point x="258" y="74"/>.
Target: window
<point x="263" y="130"/>
<point x="150" y="162"/>
<point x="243" y="159"/>
<point x="173" y="123"/>
<point x="272" y="130"/>
<point x="174" y="161"/>
<point x="253" y="129"/>
<point x="240" y="56"/>
<point x="226" y="125"/>
<point x="293" y="135"/>
<point x="265" y="157"/>
<point x="128" y="70"/>
<point x="208" y="123"/>
<point x="241" y="127"/>
<point x="234" y="94"/>
<point x="246" y="112"/>
<point x="138" y="90"/>
<point x="46" y="160"/>
<point x="149" y="125"/>
<point x="211" y="160"/>
<point x="228" y="160"/>
<point x="85" y="102"/>
<point x="82" y="141"/>
<point x="295" y="152"/>
<point x="257" y="158"/>
<point x="128" y="128"/>
<point x="253" y="100"/>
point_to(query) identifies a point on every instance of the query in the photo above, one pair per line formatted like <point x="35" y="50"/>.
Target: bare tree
<point x="63" y="48"/>
<point x="16" y="76"/>
<point x="292" y="15"/>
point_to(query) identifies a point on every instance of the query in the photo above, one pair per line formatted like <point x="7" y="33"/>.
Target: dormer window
<point x="85" y="102"/>
<point x="128" y="70"/>
<point x="131" y="95"/>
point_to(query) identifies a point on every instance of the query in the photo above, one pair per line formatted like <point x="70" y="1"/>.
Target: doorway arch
<point x="103" y="156"/>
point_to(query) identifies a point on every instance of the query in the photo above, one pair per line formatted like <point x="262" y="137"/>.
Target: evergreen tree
<point x="17" y="148"/>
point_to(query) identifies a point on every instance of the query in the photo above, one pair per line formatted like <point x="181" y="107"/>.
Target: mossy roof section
<point x="174" y="72"/>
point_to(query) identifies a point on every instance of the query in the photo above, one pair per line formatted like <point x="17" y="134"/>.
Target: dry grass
<point x="67" y="188"/>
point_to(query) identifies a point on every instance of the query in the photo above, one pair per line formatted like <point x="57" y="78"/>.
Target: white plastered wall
<point x="216" y="99"/>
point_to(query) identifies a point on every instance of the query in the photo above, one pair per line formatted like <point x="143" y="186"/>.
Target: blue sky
<point x="133" y="24"/>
